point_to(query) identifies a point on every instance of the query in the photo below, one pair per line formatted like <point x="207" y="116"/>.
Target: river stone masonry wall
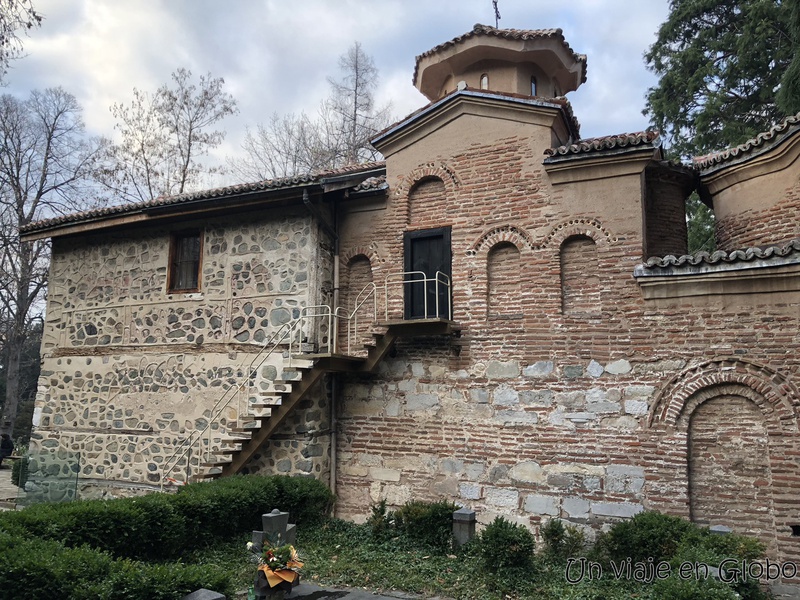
<point x="130" y="370"/>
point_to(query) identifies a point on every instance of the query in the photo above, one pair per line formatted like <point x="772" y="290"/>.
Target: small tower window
<point x="533" y="86"/>
<point x="484" y="82"/>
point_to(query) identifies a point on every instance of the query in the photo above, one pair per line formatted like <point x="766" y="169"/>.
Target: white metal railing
<point x="185" y="448"/>
<point x="315" y="317"/>
<point x="439" y="279"/>
<point x="369" y="291"/>
<point x="310" y="325"/>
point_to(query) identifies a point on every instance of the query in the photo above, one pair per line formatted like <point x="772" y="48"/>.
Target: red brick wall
<point x="550" y="413"/>
<point x="779" y="223"/>
<point x="580" y="279"/>
<point x="503" y="290"/>
<point x="729" y="473"/>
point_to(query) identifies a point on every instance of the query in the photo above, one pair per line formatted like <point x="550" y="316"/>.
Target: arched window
<point x="503" y="290"/>
<point x="533" y="86"/>
<point x="484" y="82"/>
<point x="580" y="282"/>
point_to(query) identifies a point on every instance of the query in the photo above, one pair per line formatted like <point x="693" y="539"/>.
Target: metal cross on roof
<point x="496" y="14"/>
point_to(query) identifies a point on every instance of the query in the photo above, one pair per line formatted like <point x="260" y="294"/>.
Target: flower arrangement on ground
<point x="278" y="567"/>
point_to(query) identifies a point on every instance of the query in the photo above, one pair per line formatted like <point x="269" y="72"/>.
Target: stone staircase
<point x="299" y="375"/>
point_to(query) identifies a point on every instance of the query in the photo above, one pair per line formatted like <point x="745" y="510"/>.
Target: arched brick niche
<point x="580" y="279"/>
<point x="426" y="193"/>
<point x="726" y="437"/>
<point x="425" y="201"/>
<point x="503" y="272"/>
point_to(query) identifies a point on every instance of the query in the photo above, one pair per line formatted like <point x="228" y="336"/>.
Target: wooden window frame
<point x="174" y="246"/>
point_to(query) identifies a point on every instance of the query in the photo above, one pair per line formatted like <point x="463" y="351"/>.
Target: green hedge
<point x="159" y="526"/>
<point x="651" y="536"/>
<point x="88" y="549"/>
<point x="47" y="569"/>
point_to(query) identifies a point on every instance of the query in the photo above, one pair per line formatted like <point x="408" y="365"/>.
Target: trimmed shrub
<point x="653" y="537"/>
<point x="506" y="549"/>
<point x="647" y="535"/>
<point x="159" y="526"/>
<point x="307" y="500"/>
<point x="427" y="523"/>
<point x="145" y="528"/>
<point x="135" y="581"/>
<point x="46" y="569"/>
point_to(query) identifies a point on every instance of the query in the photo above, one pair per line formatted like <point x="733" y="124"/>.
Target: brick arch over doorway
<point x="727" y="432"/>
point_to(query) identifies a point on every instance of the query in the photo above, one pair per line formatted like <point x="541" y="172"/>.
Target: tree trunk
<point x="12" y="385"/>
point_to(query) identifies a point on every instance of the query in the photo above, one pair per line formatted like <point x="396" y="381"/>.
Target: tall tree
<point x="164" y="135"/>
<point x="719" y="63"/>
<point x="15" y="16"/>
<point x="353" y="104"/>
<point x="338" y="135"/>
<point x="45" y="164"/>
<point x="789" y="94"/>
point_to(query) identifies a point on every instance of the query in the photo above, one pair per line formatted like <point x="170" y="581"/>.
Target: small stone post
<point x="463" y="526"/>
<point x="277" y="528"/>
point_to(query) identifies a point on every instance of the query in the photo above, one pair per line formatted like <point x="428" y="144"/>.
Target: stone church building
<point x="501" y="313"/>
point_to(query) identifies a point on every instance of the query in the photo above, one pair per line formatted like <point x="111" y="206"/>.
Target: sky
<point x="276" y="55"/>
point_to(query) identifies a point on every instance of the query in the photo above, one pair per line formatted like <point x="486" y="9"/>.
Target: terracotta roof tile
<point x="601" y="144"/>
<point x="510" y="34"/>
<point x="703" y="262"/>
<point x="756" y="145"/>
<point x="222" y="192"/>
<point x="372" y="183"/>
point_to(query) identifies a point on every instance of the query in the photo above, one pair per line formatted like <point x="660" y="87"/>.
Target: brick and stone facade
<point x="597" y="370"/>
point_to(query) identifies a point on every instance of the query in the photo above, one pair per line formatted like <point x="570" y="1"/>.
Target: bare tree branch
<point x="45" y="169"/>
<point x="163" y="136"/>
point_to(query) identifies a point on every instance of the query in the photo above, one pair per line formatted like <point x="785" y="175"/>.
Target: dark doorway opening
<point x="427" y="252"/>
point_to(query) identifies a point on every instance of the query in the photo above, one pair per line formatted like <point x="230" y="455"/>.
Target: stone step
<point x="298" y="362"/>
<point x="259" y="412"/>
<point x="215" y="464"/>
<point x="226" y="451"/>
<point x="276" y="387"/>
<point x="290" y="375"/>
<point x="236" y="441"/>
<point x="266" y="400"/>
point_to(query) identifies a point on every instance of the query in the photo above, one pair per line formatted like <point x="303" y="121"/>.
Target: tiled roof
<point x="468" y="91"/>
<point x="223" y="192"/>
<point x="603" y="144"/>
<point x="703" y="262"/>
<point x="371" y="184"/>
<point x="510" y="34"/>
<point x="760" y="143"/>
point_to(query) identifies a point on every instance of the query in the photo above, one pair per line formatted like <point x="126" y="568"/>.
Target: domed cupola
<point x="535" y="62"/>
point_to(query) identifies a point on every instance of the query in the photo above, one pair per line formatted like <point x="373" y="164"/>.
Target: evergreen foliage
<point x="789" y="93"/>
<point x="720" y="63"/>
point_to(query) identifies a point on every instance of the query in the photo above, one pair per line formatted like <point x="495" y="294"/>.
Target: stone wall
<point x="131" y="370"/>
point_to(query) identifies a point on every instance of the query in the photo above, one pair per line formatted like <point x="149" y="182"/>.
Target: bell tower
<point x="535" y="63"/>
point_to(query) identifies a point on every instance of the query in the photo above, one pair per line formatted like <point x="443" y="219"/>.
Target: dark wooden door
<point x="428" y="252"/>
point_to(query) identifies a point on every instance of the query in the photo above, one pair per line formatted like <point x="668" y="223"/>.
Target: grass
<point x="344" y="554"/>
<point x="339" y="553"/>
